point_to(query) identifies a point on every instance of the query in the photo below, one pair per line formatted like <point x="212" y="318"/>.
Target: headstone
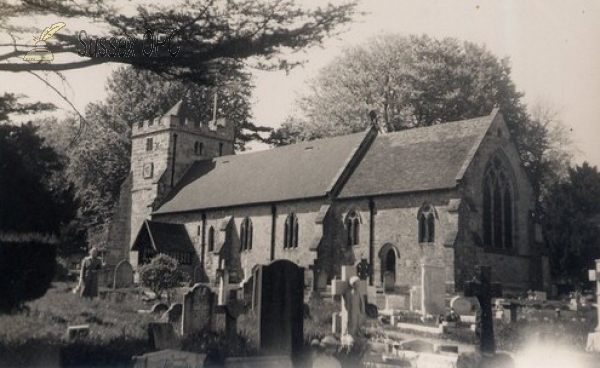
<point x="281" y="308"/>
<point x="169" y="359"/>
<point x="351" y="314"/>
<point x="159" y="308"/>
<point x="77" y="332"/>
<point x="593" y="342"/>
<point x="433" y="284"/>
<point x="174" y="313"/>
<point x="197" y="311"/>
<point x="123" y="276"/>
<point x="364" y="270"/>
<point x="161" y="336"/>
<point x="464" y="306"/>
<point x="273" y="361"/>
<point x="484" y="290"/>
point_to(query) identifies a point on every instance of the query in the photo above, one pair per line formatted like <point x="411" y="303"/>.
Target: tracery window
<point x="246" y="234"/>
<point x="353" y="228"/>
<point x="497" y="206"/>
<point x="211" y="239"/>
<point x="290" y="232"/>
<point x="426" y="218"/>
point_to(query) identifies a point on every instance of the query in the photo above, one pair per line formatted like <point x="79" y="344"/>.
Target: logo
<point x="40" y="52"/>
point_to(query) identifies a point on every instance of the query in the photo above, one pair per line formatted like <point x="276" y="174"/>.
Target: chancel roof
<point x="164" y="237"/>
<point x="418" y="159"/>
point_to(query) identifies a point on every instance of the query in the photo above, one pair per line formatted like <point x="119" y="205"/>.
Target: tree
<point x="210" y="45"/>
<point x="161" y="274"/>
<point x="416" y="81"/>
<point x="32" y="195"/>
<point x="570" y="221"/>
<point x="28" y="264"/>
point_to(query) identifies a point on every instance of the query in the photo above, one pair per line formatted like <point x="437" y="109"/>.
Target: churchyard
<point x="271" y="319"/>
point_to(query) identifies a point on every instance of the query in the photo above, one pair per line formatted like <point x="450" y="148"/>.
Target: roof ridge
<point x="491" y="118"/>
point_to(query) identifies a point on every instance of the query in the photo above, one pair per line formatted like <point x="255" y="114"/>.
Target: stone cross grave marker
<point x="123" y="276"/>
<point x="198" y="305"/>
<point x="229" y="307"/>
<point x="281" y="308"/>
<point x="593" y="342"/>
<point x="350" y="317"/>
<point x="484" y="290"/>
<point x="433" y="290"/>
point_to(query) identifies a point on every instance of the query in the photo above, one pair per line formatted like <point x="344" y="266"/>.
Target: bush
<point x="161" y="274"/>
<point x="28" y="264"/>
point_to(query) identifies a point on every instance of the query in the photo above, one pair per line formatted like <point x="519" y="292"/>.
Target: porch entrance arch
<point x="388" y="257"/>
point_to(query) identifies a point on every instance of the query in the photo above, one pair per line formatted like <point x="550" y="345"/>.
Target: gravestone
<point x="169" y="359"/>
<point x="463" y="306"/>
<point x="123" y="276"/>
<point x="593" y="342"/>
<point x="433" y="286"/>
<point x="174" y="313"/>
<point x="389" y="281"/>
<point x="198" y="305"/>
<point x="77" y="332"/>
<point x="161" y="336"/>
<point x="281" y="308"/>
<point x="484" y="290"/>
<point x="159" y="308"/>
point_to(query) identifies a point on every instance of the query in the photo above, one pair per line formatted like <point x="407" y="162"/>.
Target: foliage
<point x="27" y="263"/>
<point x="571" y="227"/>
<point x="161" y="274"/>
<point x="211" y="45"/>
<point x="415" y="81"/>
<point x="33" y="196"/>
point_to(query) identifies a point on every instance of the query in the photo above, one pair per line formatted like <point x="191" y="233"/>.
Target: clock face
<point x="148" y="170"/>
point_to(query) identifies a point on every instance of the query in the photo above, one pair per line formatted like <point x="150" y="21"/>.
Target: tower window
<point x="426" y="218"/>
<point x="246" y="234"/>
<point x="198" y="148"/>
<point x="149" y="144"/>
<point x="353" y="228"/>
<point x="290" y="232"/>
<point x="497" y="206"/>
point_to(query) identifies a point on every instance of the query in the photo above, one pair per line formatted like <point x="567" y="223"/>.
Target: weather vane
<point x="40" y="52"/>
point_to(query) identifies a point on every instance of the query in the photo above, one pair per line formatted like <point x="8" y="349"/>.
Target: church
<point x="451" y="195"/>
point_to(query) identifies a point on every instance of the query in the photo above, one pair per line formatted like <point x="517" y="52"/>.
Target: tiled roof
<point x="418" y="159"/>
<point x="303" y="170"/>
<point x="164" y="237"/>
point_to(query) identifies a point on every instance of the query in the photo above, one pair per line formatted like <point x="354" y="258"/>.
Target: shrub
<point x="161" y="274"/>
<point x="28" y="263"/>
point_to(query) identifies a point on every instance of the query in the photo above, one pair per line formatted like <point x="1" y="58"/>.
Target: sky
<point x="553" y="47"/>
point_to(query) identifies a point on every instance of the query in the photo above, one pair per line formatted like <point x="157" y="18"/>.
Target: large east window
<point x="498" y="205"/>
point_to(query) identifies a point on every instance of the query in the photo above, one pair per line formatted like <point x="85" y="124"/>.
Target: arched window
<point x="290" y="232"/>
<point x="426" y="218"/>
<point x="246" y="234"/>
<point x="353" y="228"/>
<point x="497" y="205"/>
<point x="198" y="147"/>
<point x="211" y="239"/>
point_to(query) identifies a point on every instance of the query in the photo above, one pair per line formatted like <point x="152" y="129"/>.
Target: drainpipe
<point x="372" y="212"/>
<point x="173" y="159"/>
<point x="203" y="241"/>
<point x="273" y="228"/>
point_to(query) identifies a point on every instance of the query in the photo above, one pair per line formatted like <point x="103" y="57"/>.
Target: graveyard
<point x="273" y="320"/>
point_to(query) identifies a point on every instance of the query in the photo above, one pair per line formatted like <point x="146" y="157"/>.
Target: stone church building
<point x="452" y="195"/>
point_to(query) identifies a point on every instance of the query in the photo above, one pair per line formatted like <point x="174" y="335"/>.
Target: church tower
<point x="161" y="151"/>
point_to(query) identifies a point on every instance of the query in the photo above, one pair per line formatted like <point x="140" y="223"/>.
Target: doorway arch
<point x="388" y="258"/>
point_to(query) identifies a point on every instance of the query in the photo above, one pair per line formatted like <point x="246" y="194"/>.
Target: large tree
<point x="571" y="216"/>
<point x="214" y="36"/>
<point x="415" y="81"/>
